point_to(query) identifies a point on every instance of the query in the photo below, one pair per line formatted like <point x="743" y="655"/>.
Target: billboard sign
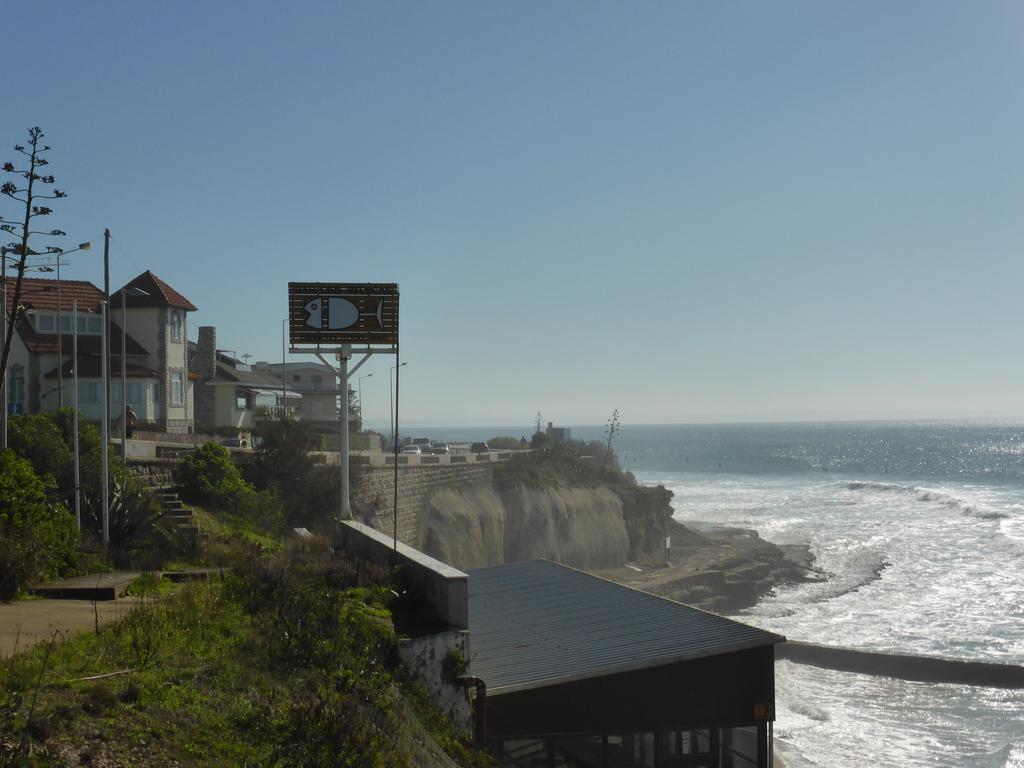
<point x="330" y="314"/>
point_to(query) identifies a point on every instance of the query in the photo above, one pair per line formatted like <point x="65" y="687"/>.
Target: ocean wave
<point x="807" y="710"/>
<point x="928" y="496"/>
<point x="860" y="568"/>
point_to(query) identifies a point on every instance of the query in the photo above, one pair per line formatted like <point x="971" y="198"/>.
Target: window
<point x="46" y="323"/>
<point x="578" y="751"/>
<point x="88" y="391"/>
<point x="134" y="392"/>
<point x="523" y="753"/>
<point x="739" y="747"/>
<point x="689" y="748"/>
<point x="95" y="325"/>
<point x="176" y="323"/>
<point x="241" y="401"/>
<point x="65" y="323"/>
<point x="296" y="377"/>
<point x="630" y="750"/>
<point x="18" y="386"/>
<point x="177" y="388"/>
<point x="317" y="379"/>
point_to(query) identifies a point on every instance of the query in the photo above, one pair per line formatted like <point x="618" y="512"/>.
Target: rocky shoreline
<point x="719" y="569"/>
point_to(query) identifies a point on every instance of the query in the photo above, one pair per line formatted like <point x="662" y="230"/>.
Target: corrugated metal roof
<point x="538" y="623"/>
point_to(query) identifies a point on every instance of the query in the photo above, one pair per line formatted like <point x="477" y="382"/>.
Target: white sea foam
<point x="923" y="568"/>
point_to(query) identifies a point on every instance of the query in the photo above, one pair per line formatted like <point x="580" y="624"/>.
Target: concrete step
<point x="97" y="586"/>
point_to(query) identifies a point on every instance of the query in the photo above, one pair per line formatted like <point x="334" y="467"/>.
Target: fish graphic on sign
<point x="334" y="313"/>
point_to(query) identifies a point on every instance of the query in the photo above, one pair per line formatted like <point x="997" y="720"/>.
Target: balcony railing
<point x="275" y="411"/>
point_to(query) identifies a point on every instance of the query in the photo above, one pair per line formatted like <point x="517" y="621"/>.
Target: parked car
<point x="440" y="449"/>
<point x="479" y="448"/>
<point x="412" y="449"/>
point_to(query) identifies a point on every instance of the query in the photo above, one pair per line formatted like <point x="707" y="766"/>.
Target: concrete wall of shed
<point x="426" y="657"/>
<point x="443" y="588"/>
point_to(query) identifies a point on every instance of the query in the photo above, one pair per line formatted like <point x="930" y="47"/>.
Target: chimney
<point x="205" y="363"/>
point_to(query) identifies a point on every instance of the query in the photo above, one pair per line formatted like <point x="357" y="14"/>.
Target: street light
<point x="362" y="413"/>
<point x="391" y="388"/>
<point x="60" y="333"/>
<point x="284" y="370"/>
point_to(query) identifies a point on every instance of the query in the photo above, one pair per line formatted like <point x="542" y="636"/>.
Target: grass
<point x="288" y="661"/>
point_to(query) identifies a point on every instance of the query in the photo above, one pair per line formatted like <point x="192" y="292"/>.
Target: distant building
<point x="155" y="318"/>
<point x="316" y="385"/>
<point x="558" y="434"/>
<point x="231" y="393"/>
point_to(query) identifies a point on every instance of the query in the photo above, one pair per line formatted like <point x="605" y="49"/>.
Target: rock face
<point x="602" y="529"/>
<point x="581" y="527"/>
<point x="464" y="527"/>
<point x="480" y="525"/>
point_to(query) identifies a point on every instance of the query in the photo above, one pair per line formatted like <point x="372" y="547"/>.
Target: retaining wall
<point x="375" y="493"/>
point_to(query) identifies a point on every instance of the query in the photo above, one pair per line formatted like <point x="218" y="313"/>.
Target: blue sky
<point x="687" y="211"/>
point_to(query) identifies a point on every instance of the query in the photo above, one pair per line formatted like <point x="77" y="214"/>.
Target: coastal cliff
<point x="482" y="525"/>
<point x="562" y="510"/>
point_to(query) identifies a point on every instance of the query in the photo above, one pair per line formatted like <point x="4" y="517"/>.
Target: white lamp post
<point x="391" y="388"/>
<point x="60" y="331"/>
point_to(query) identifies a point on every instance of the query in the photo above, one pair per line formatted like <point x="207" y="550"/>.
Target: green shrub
<point x="209" y="477"/>
<point x="47" y="441"/>
<point x="38" y="539"/>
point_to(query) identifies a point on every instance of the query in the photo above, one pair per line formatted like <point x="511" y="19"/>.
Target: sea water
<point x="920" y="529"/>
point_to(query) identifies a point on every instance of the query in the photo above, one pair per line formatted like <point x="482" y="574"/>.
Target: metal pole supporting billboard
<point x="346" y="501"/>
<point x="336" y="317"/>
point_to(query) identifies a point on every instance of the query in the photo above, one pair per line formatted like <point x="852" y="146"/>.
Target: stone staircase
<point x="178" y="516"/>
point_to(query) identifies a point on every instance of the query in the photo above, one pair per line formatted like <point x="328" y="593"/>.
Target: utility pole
<point x="106" y="329"/>
<point x="105" y="362"/>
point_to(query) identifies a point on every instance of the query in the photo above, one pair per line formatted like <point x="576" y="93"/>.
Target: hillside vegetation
<point x="288" y="660"/>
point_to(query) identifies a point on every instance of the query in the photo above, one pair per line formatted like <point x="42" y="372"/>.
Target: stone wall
<point x="416" y="485"/>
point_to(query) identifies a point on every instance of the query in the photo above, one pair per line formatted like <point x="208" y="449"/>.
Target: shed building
<point x="582" y="672"/>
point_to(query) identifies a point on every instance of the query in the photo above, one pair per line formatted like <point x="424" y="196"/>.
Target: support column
<point x="346" y="506"/>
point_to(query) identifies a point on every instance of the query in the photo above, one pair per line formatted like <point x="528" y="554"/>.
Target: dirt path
<point x="29" y="622"/>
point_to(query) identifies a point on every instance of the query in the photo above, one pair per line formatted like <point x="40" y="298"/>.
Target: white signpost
<point x="339" y="319"/>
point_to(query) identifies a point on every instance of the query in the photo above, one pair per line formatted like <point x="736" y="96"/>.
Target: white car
<point x="412" y="449"/>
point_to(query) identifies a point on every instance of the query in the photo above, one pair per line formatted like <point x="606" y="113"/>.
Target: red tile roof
<point x="160" y="294"/>
<point x="41" y="293"/>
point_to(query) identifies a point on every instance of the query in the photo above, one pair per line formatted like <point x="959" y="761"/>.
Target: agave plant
<point x="136" y="522"/>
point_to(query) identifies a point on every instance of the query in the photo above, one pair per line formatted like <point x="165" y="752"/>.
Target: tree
<point x="611" y="431"/>
<point x="355" y="412"/>
<point x="539" y="438"/>
<point x="46" y="441"/>
<point x="37" y="538"/>
<point x="26" y="196"/>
